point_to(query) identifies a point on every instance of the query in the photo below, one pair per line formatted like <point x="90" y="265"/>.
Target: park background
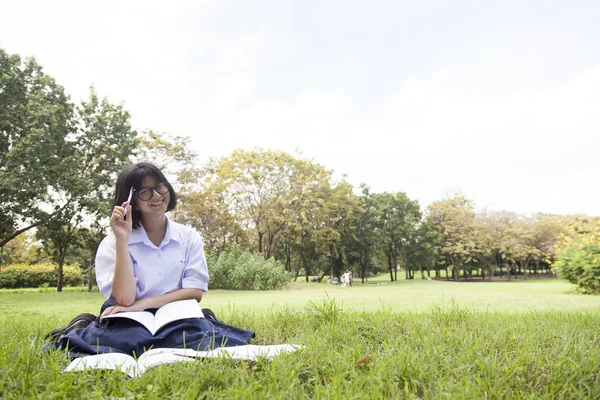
<point x="445" y="155"/>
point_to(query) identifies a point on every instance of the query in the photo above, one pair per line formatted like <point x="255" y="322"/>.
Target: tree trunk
<point x="90" y="279"/>
<point x="297" y="271"/>
<point x="306" y="269"/>
<point x="288" y="259"/>
<point x="59" y="284"/>
<point x="260" y="242"/>
<point x="457" y="274"/>
<point x="363" y="267"/>
<point x="395" y="264"/>
<point x="389" y="256"/>
<point x="61" y="262"/>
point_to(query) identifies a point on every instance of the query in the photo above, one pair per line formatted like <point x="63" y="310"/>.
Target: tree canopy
<point x="59" y="162"/>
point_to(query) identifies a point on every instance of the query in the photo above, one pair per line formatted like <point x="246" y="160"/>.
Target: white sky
<point x="497" y="99"/>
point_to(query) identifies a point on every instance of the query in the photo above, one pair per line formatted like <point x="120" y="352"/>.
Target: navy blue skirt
<point x="122" y="335"/>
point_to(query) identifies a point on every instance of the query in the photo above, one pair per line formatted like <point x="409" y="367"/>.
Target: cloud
<point x="525" y="151"/>
<point x="490" y="117"/>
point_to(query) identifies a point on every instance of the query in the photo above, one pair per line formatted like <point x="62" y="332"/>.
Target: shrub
<point x="243" y="270"/>
<point x="38" y="275"/>
<point x="578" y="260"/>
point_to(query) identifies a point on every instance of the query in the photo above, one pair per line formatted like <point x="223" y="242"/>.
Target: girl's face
<point x="158" y="203"/>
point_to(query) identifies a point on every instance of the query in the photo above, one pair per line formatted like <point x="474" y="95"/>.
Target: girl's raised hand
<point x="120" y="226"/>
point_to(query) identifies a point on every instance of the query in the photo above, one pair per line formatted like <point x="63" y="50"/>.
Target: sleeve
<point x="195" y="273"/>
<point x="105" y="265"/>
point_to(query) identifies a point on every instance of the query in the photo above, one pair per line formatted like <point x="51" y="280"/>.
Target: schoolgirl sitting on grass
<point x="145" y="262"/>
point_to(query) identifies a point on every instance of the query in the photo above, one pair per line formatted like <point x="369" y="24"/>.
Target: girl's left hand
<point x="137" y="306"/>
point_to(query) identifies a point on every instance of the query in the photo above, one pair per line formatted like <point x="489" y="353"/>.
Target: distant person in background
<point x="345" y="279"/>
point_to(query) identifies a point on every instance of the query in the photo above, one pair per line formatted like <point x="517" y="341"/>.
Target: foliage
<point x="58" y="161"/>
<point x="578" y="259"/>
<point x="38" y="275"/>
<point x="171" y="154"/>
<point x="36" y="119"/>
<point x="101" y="146"/>
<point x="244" y="270"/>
<point x="270" y="202"/>
<point x="17" y="249"/>
<point x="363" y="243"/>
<point x="454" y="218"/>
<point x="398" y="219"/>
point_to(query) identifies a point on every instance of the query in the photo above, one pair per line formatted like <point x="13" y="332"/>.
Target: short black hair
<point x="133" y="176"/>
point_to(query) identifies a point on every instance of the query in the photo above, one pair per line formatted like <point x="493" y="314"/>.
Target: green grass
<point x="426" y="339"/>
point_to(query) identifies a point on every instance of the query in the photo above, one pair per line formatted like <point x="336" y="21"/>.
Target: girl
<point x="146" y="262"/>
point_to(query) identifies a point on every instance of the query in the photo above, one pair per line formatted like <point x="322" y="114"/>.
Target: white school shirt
<point x="179" y="262"/>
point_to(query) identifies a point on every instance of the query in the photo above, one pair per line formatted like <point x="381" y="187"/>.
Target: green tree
<point x="258" y="188"/>
<point x="364" y="246"/>
<point x="16" y="250"/>
<point x="454" y="218"/>
<point x="398" y="221"/>
<point x="422" y="248"/>
<point x="578" y="258"/>
<point x="36" y="126"/>
<point x="171" y="154"/>
<point x="546" y="234"/>
<point x="101" y="147"/>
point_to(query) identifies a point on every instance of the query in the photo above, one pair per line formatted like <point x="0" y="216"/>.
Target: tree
<point x="16" y="250"/>
<point x="36" y="123"/>
<point x="545" y="237"/>
<point x="366" y="228"/>
<point x="326" y="211"/>
<point x="260" y="190"/>
<point x="171" y="154"/>
<point x="578" y="259"/>
<point x="210" y="213"/>
<point x="101" y="146"/>
<point x="422" y="248"/>
<point x="398" y="220"/>
<point x="454" y="218"/>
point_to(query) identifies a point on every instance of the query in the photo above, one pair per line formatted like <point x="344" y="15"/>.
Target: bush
<point x="38" y="275"/>
<point x="578" y="260"/>
<point x="243" y="270"/>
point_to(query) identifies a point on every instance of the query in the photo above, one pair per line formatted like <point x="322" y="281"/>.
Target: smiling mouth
<point x="157" y="203"/>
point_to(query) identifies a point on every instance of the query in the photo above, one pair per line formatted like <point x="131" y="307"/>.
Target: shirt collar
<point x="139" y="235"/>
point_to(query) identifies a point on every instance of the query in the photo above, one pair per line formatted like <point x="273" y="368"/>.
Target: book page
<point x="145" y="318"/>
<point x="120" y="361"/>
<point x="155" y="357"/>
<point x="246" y="352"/>
<point x="175" y="311"/>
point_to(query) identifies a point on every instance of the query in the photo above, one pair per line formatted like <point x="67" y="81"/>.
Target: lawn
<point x="424" y="339"/>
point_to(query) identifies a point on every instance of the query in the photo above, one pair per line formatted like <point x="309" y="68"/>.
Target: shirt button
<point x="160" y="254"/>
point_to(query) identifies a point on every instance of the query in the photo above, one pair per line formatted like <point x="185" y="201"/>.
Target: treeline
<point x="59" y="161"/>
<point x="293" y="210"/>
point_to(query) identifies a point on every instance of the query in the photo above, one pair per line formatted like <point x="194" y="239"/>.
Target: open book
<point x="168" y="313"/>
<point x="134" y="368"/>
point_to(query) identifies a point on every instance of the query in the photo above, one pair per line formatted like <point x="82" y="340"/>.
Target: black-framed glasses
<point x="147" y="193"/>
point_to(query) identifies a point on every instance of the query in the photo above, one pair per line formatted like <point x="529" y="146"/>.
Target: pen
<point x="128" y="201"/>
